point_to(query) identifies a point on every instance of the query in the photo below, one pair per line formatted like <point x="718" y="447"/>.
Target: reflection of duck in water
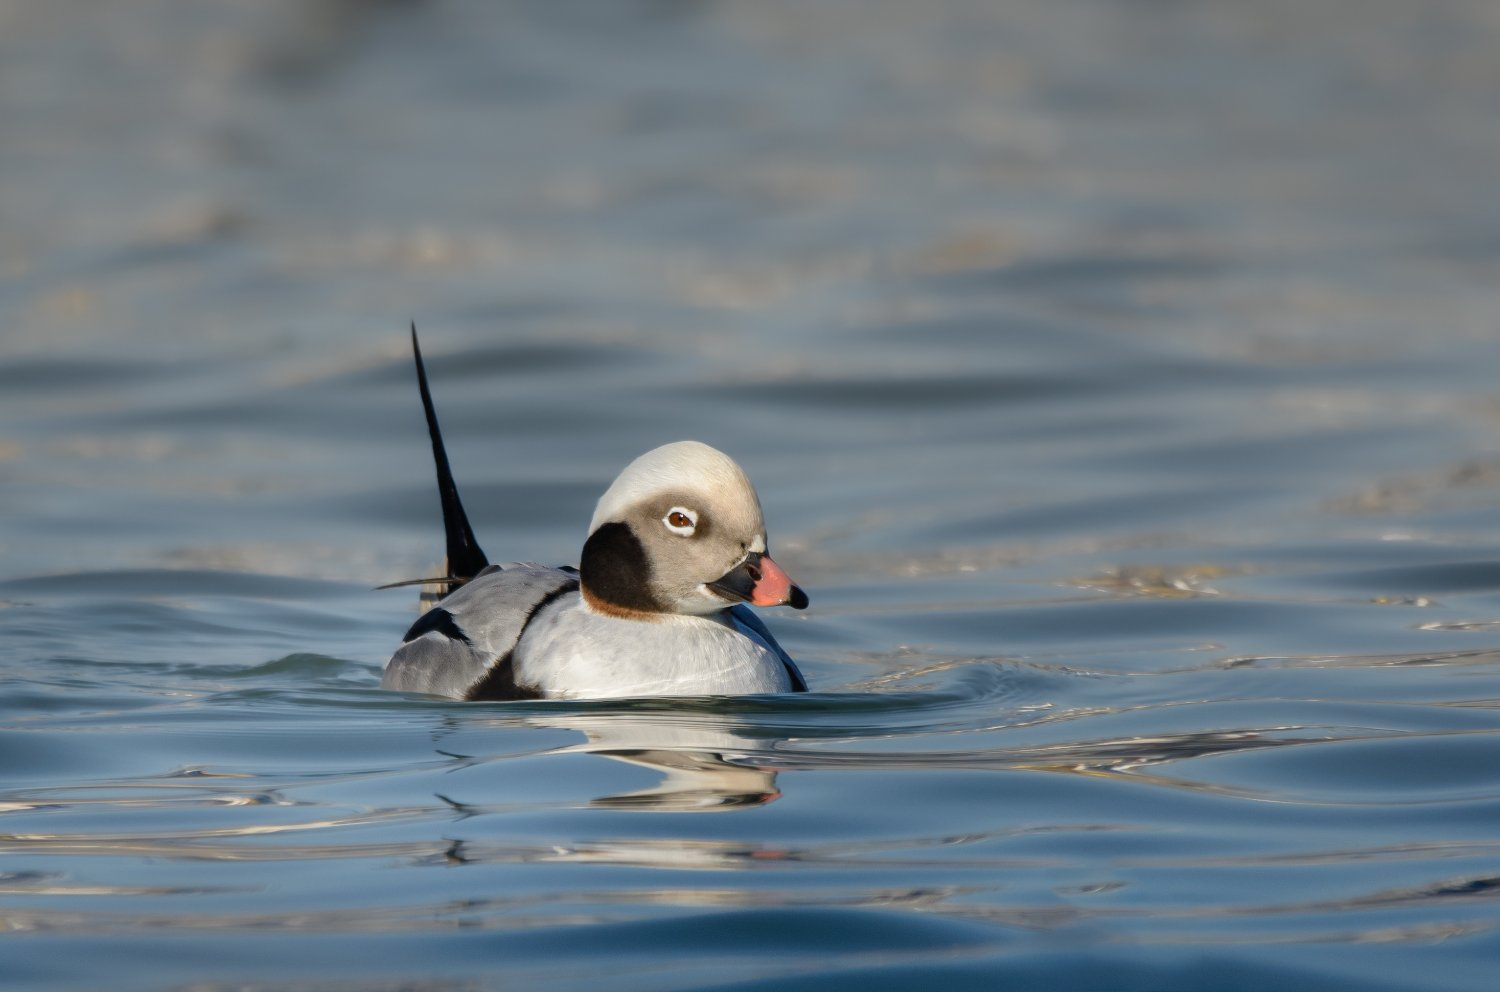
<point x="706" y="763"/>
<point x="695" y="781"/>
<point x="676" y="549"/>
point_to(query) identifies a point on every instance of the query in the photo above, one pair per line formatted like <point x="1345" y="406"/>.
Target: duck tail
<point x="465" y="558"/>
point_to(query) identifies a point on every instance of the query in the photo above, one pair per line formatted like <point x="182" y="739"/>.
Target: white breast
<point x="572" y="652"/>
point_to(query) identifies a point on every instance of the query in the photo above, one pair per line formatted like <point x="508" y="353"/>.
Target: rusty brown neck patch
<point x="615" y="610"/>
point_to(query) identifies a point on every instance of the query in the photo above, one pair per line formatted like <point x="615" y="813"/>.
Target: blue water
<point x="1119" y="379"/>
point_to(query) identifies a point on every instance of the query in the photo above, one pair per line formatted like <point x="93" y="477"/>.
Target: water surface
<point x="1118" y="378"/>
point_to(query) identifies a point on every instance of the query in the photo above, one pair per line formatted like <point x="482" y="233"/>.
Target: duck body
<point x="659" y="605"/>
<point x="524" y="631"/>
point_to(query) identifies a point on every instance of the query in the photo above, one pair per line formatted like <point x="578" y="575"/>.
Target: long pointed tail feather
<point x="465" y="557"/>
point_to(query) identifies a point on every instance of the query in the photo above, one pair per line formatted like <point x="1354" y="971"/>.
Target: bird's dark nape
<point x="465" y="558"/>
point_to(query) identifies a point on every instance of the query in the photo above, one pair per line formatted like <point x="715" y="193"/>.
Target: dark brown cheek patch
<point x="614" y="569"/>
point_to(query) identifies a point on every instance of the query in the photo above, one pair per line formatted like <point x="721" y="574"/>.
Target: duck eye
<point x="680" y="520"/>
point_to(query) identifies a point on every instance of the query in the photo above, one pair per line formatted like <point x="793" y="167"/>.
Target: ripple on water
<point x="1129" y="424"/>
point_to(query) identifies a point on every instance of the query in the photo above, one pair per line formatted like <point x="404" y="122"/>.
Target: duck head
<point x="681" y="531"/>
